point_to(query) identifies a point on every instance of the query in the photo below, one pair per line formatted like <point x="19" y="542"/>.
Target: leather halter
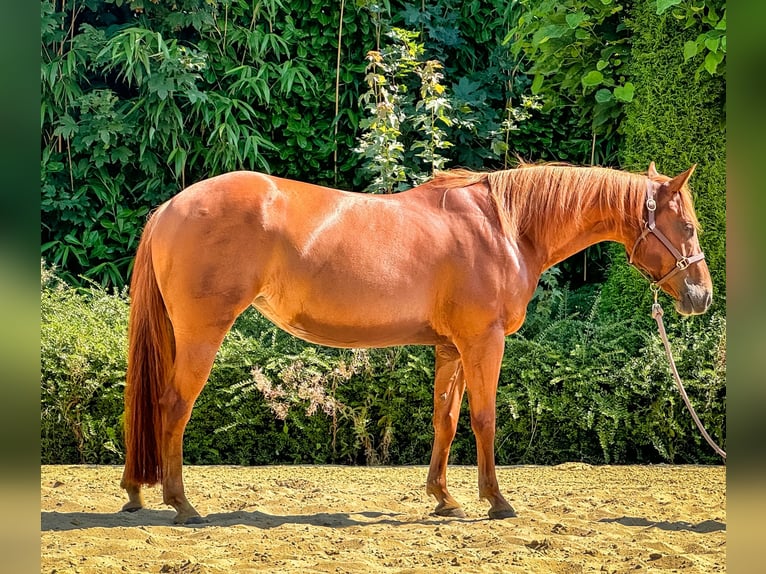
<point x="682" y="261"/>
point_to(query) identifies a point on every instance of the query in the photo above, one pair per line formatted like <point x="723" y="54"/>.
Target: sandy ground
<point x="572" y="518"/>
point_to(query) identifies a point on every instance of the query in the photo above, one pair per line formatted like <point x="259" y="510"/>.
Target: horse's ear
<point x="652" y="171"/>
<point x="680" y="180"/>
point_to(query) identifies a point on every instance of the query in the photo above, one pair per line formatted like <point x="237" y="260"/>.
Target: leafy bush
<point x="283" y="400"/>
<point x="82" y="361"/>
<point x="593" y="388"/>
<point x="383" y="416"/>
<point x="140" y="99"/>
<point x="577" y="52"/>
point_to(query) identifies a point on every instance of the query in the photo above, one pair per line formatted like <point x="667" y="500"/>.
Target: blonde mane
<point x="546" y="196"/>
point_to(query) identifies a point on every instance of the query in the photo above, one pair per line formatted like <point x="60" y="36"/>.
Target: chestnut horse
<point x="450" y="263"/>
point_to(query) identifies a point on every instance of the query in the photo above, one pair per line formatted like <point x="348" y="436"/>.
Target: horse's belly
<point x="350" y="329"/>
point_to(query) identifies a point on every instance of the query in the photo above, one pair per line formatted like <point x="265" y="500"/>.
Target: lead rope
<point x="657" y="316"/>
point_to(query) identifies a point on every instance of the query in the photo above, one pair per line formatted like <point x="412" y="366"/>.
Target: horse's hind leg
<point x="448" y="395"/>
<point x="135" y="498"/>
<point x="195" y="352"/>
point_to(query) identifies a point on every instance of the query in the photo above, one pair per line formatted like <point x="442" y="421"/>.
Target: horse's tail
<point x="151" y="350"/>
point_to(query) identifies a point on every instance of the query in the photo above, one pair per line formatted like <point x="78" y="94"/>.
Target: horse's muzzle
<point x="695" y="300"/>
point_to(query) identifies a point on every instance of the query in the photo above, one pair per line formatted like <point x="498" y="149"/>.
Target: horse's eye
<point x="689" y="229"/>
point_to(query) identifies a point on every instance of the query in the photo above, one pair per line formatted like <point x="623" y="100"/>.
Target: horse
<point x="450" y="263"/>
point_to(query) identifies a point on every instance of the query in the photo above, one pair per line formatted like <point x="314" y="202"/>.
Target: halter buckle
<point x="651" y="204"/>
<point x="682" y="263"/>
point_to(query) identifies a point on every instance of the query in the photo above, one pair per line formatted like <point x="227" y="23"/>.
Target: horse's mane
<point x="545" y="196"/>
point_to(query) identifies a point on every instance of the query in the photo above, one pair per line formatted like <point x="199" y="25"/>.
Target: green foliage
<point x="385" y="102"/>
<point x="405" y="129"/>
<point x="494" y="120"/>
<point x="592" y="388"/>
<point x="407" y="132"/>
<point x="710" y="17"/>
<point x="82" y="362"/>
<point x="577" y="52"/>
<point x="625" y="291"/>
<point x="140" y="99"/>
<point x="288" y="401"/>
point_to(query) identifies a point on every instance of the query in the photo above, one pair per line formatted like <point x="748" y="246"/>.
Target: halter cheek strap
<point x="682" y="261"/>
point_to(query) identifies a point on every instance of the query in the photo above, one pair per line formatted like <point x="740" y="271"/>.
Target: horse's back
<point x="332" y="267"/>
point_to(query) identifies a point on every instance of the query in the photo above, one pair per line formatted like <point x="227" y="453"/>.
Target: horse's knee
<point x="483" y="424"/>
<point x="445" y="420"/>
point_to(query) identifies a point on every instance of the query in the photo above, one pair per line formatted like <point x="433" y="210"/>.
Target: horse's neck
<point x="575" y="234"/>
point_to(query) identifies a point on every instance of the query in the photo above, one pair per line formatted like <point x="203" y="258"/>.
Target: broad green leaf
<point x="690" y="49"/>
<point x="592" y="78"/>
<point x="575" y="19"/>
<point x="67" y="126"/>
<point x="179" y="164"/>
<point x="121" y="154"/>
<point x="603" y="95"/>
<point x="537" y="83"/>
<point x="722" y="22"/>
<point x="624" y="93"/>
<point x="712" y="60"/>
<point x="499" y="148"/>
<point x="712" y="44"/>
<point x="663" y="5"/>
<point x="547" y="32"/>
<point x="601" y="64"/>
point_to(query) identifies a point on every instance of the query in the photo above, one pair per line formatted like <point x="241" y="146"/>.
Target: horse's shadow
<point x="58" y="521"/>
<point x="704" y="527"/>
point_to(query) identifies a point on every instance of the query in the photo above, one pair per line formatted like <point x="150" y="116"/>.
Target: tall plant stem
<point x="508" y="105"/>
<point x="337" y="91"/>
<point x="593" y="149"/>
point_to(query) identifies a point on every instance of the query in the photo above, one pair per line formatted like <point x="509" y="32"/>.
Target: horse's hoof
<point x="500" y="513"/>
<point x="190" y="520"/>
<point x="450" y="511"/>
<point x="130" y="508"/>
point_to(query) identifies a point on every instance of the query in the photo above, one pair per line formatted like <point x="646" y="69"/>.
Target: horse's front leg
<point x="448" y="395"/>
<point x="481" y="360"/>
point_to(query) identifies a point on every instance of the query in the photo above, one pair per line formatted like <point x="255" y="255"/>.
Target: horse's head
<point x="667" y="248"/>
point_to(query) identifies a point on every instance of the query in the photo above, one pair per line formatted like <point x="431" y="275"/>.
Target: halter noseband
<point x="682" y="261"/>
